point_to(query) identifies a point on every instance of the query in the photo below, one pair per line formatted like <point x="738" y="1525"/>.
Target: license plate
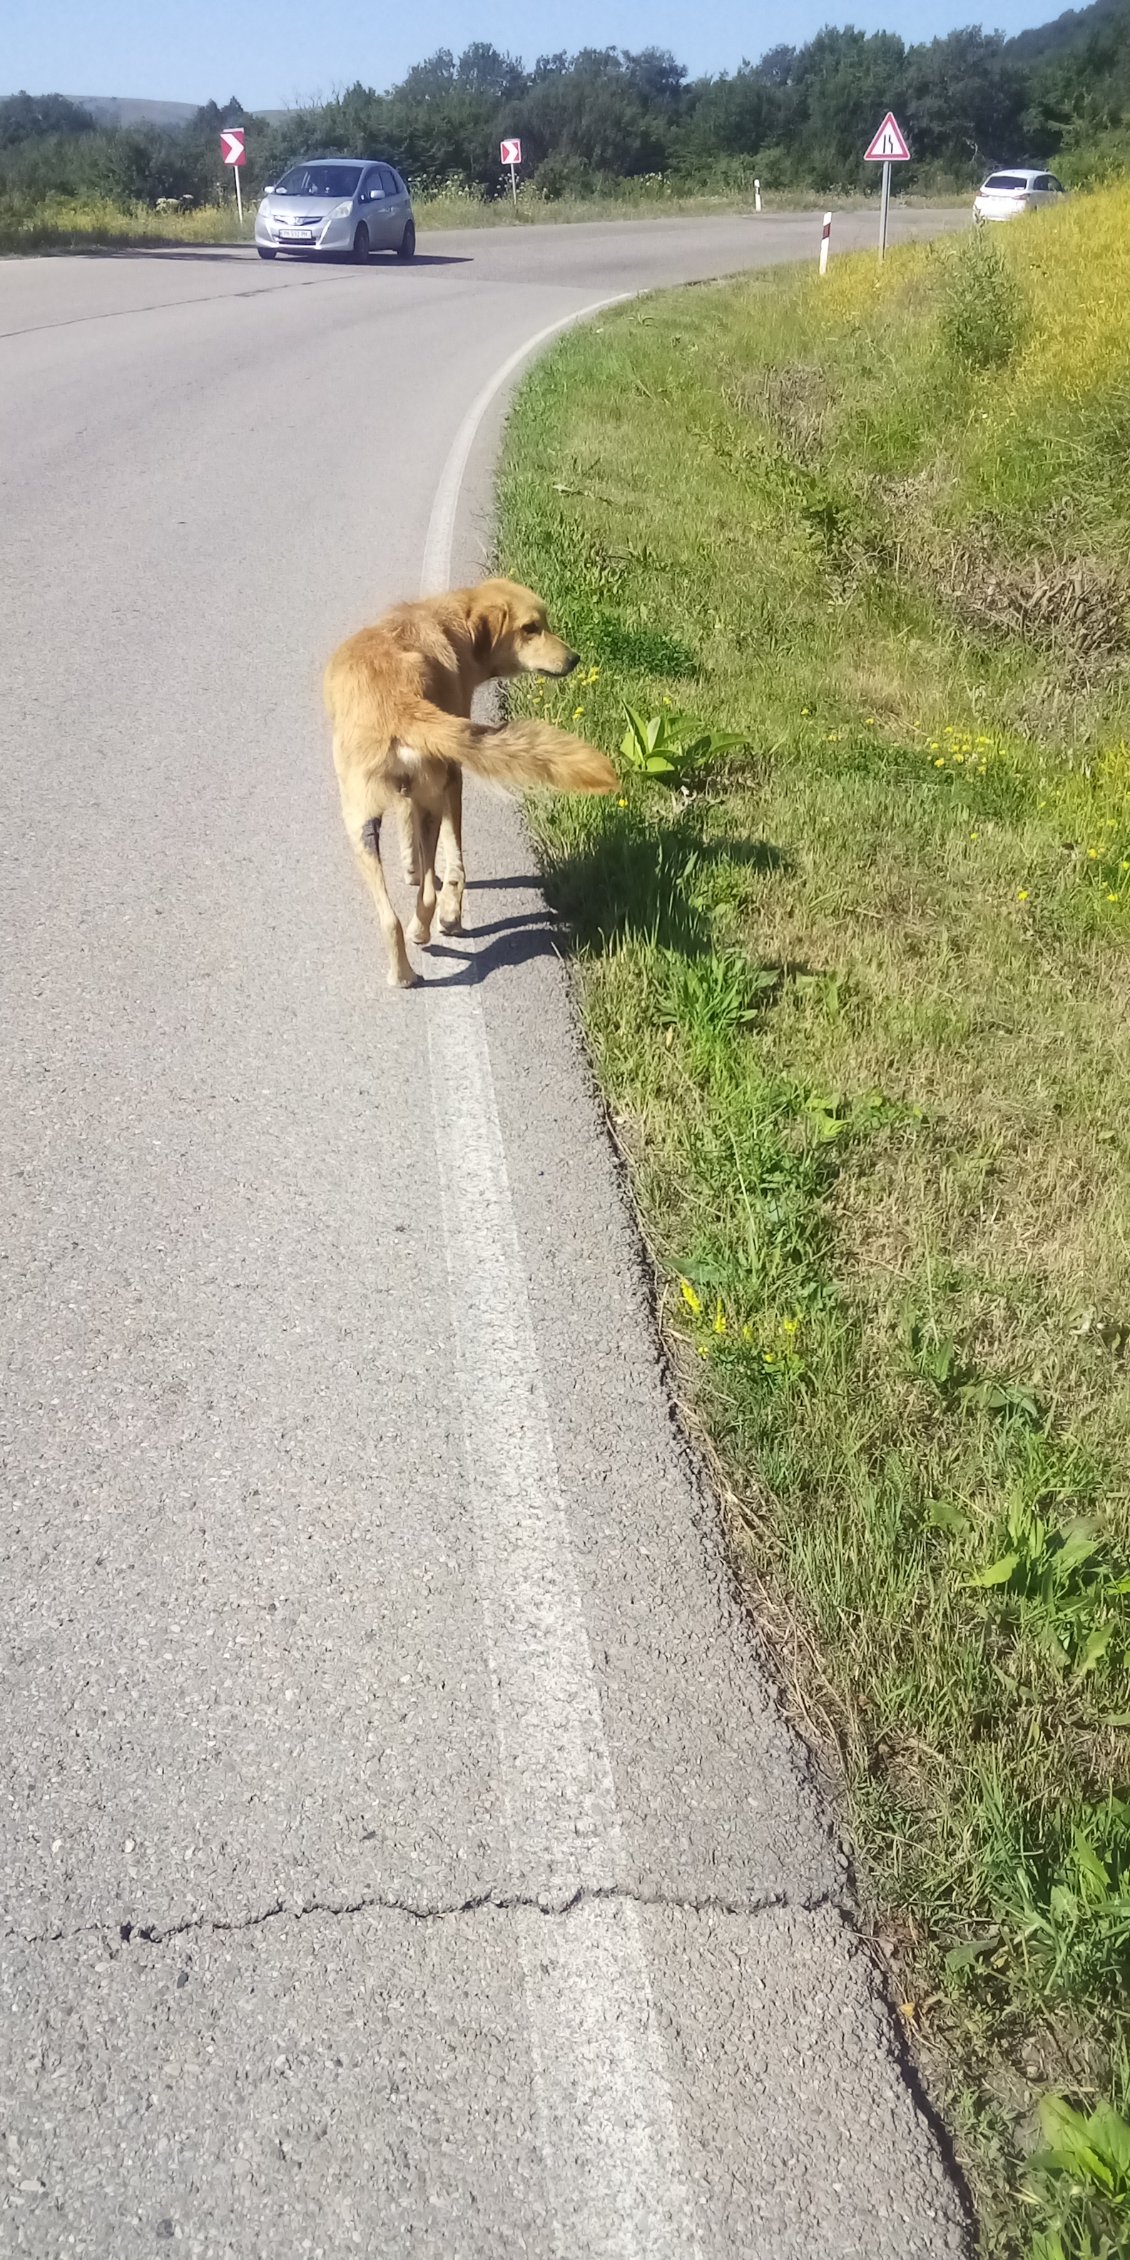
<point x="296" y="235"/>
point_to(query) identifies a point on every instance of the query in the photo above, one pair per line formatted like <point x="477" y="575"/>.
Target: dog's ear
<point x="487" y="622"/>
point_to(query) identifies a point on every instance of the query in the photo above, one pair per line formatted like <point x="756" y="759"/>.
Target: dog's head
<point x="511" y="635"/>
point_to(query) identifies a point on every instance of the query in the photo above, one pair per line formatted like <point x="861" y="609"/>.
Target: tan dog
<point x="399" y="697"/>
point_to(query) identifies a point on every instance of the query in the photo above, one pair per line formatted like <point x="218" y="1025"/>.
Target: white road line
<point x="439" y="542"/>
<point x="608" y="2131"/>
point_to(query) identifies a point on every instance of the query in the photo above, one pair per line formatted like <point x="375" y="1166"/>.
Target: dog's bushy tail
<point x="518" y="756"/>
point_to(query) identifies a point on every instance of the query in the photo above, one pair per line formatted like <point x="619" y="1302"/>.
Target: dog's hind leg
<point x="409" y="844"/>
<point x="365" y="834"/>
<point x="427" y="834"/>
<point x="451" y="848"/>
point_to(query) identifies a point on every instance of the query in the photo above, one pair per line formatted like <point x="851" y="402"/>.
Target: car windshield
<point x="319" y="180"/>
<point x="1007" y="180"/>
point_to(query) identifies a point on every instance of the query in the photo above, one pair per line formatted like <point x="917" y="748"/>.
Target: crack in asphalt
<point x="119" y="1935"/>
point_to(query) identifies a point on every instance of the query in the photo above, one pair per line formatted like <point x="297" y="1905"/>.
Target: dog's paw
<point x="452" y="924"/>
<point x="404" y="978"/>
<point x="419" y="933"/>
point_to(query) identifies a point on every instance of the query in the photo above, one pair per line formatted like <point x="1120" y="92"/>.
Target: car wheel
<point x="406" y="248"/>
<point x="361" y="244"/>
<point x="264" y="253"/>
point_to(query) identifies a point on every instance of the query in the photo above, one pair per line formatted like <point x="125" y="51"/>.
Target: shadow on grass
<point x="632" y="879"/>
<point x="635" y="651"/>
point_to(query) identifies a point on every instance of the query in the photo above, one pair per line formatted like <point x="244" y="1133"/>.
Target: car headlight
<point x="342" y="211"/>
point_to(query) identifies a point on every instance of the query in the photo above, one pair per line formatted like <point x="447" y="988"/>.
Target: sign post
<point x="233" y="150"/>
<point x="886" y="149"/>
<point x="511" y="154"/>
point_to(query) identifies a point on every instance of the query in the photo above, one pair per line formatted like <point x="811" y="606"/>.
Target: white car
<point x="1004" y="195"/>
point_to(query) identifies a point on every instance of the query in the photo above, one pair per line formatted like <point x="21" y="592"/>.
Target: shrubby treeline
<point x="799" y="117"/>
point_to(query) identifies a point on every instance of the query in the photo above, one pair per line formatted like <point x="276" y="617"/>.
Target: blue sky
<point x="292" y="50"/>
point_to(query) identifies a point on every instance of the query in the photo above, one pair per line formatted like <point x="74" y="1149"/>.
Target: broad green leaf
<point x="1073" y="2149"/>
<point x="1087" y="1860"/>
<point x="1112" y="2136"/>
<point x="998" y="1573"/>
<point x="1076" y="1549"/>
<point x="975" y="1950"/>
<point x="944" y="1516"/>
<point x="1096" y="1646"/>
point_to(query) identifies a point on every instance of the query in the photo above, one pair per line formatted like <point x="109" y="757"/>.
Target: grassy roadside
<point x="93" y="223"/>
<point x="858" y="995"/>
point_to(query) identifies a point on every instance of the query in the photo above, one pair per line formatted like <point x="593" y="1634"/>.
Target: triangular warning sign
<point x="889" y="146"/>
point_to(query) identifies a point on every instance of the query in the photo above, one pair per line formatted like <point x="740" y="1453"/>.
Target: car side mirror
<point x="270" y="188"/>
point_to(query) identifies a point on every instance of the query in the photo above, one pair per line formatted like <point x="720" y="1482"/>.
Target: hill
<point x="134" y="110"/>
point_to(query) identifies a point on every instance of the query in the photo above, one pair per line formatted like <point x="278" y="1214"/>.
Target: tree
<point x="30" y="117"/>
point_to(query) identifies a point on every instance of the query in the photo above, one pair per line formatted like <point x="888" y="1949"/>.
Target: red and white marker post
<point x="887" y="148"/>
<point x="233" y="150"/>
<point x="825" y="242"/>
<point x="511" y="154"/>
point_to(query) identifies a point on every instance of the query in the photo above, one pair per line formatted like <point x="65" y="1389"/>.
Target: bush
<point x="983" y="310"/>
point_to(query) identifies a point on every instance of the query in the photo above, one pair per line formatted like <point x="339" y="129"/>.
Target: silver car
<point x="1004" y="195"/>
<point x="340" y="207"/>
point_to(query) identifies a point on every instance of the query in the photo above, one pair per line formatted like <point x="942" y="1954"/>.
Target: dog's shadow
<point x="509" y="944"/>
<point x="631" y="877"/>
<point x="628" y="877"/>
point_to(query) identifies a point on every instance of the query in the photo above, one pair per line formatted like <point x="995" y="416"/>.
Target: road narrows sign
<point x="886" y="148"/>
<point x="233" y="150"/>
<point x="889" y="145"/>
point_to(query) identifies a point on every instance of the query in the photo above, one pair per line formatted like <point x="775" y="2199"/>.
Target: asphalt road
<point x="403" y="1850"/>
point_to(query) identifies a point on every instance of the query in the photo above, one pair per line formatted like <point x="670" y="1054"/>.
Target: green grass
<point x="859" y="997"/>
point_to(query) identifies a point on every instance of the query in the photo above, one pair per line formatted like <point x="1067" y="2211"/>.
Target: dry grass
<point x="59" y="223"/>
